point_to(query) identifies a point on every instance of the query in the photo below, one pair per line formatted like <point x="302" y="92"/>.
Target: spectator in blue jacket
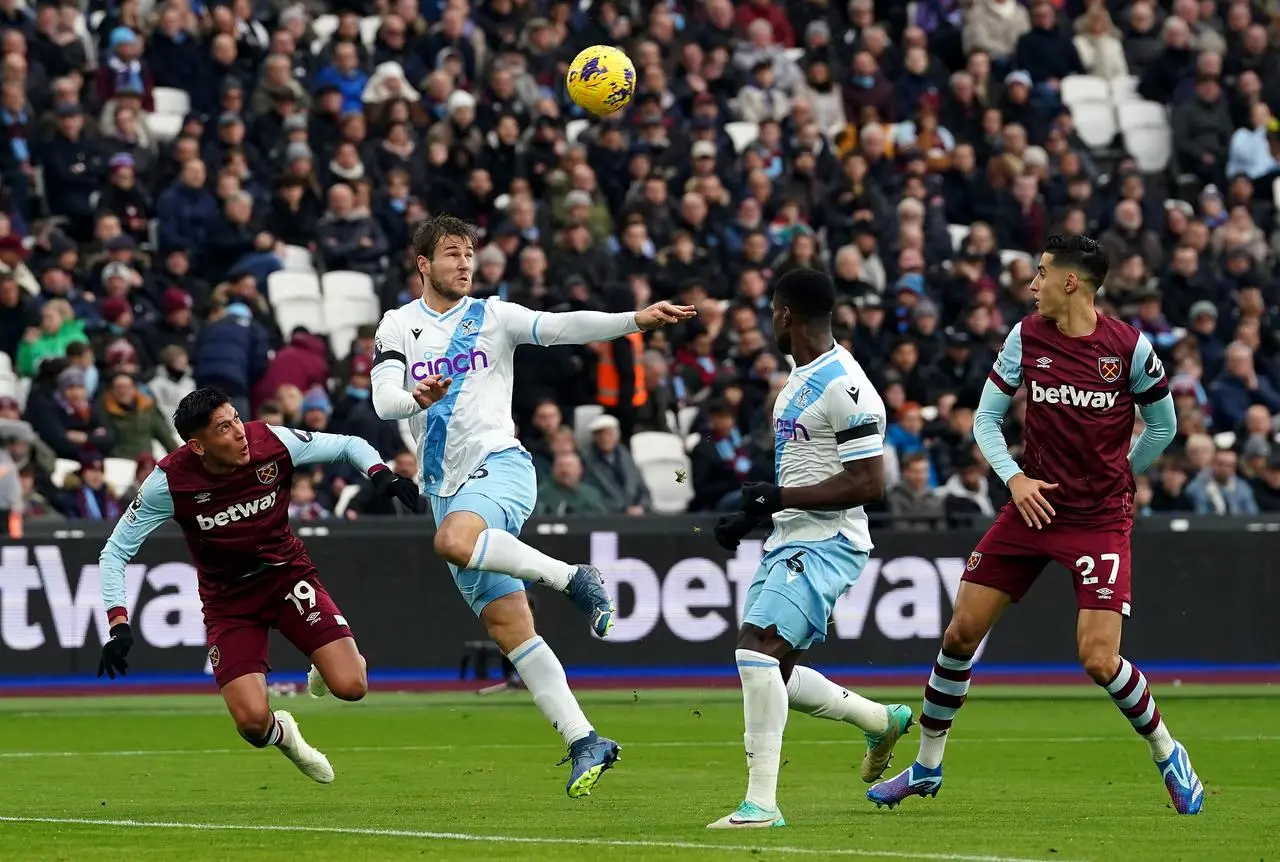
<point x="1218" y="490"/>
<point x="1240" y="386"/>
<point x="232" y="354"/>
<point x="186" y="211"/>
<point x="1047" y="51"/>
<point x="345" y="74"/>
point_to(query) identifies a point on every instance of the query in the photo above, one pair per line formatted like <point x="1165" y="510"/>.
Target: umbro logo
<point x="1044" y="362"/>
<point x="416" y="332"/>
<point x="854" y="393"/>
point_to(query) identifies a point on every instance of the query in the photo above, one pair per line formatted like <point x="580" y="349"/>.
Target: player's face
<point x="223" y="443"/>
<point x="781" y="324"/>
<point x="449" y="270"/>
<point x="1049" y="288"/>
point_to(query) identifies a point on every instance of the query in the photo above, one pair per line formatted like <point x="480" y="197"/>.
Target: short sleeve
<point x="856" y="416"/>
<point x="1007" y="371"/>
<point x="1147" y="379"/>
<point x="518" y="323"/>
<point x="388" y="344"/>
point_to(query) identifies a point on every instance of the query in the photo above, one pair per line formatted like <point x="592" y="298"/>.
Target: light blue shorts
<point x="503" y="491"/>
<point x="797" y="585"/>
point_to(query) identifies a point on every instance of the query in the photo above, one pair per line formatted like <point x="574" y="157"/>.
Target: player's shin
<point x="764" y="712"/>
<point x="544" y="676"/>
<point x="813" y="694"/>
<point x="499" y="551"/>
<point x="1131" y="695"/>
<point x="943" y="696"/>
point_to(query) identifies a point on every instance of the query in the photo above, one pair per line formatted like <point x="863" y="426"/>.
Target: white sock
<point x="813" y="694"/>
<point x="932" y="744"/>
<point x="499" y="551"/>
<point x="1161" y="742"/>
<point x="544" y="676"/>
<point x="764" y="712"/>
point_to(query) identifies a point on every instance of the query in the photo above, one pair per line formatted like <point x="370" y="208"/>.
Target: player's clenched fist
<point x="431" y="390"/>
<point x="1027" y="496"/>
<point x="662" y="313"/>
<point x="115" y="650"/>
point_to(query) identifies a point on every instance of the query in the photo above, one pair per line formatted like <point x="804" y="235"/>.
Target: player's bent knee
<point x="253" y="724"/>
<point x="961" y="639"/>
<point x="353" y="687"/>
<point x="1100" y="664"/>
<point x="454" y="545"/>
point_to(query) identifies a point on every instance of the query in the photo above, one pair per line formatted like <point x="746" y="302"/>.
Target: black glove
<point x="388" y="484"/>
<point x="115" y="650"/>
<point x="732" y="529"/>
<point x="761" y="499"/>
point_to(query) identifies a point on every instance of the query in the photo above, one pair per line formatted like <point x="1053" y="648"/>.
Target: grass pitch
<point x="1032" y="774"/>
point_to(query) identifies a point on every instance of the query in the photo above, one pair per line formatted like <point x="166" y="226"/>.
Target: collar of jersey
<point x="818" y="359"/>
<point x="435" y="315"/>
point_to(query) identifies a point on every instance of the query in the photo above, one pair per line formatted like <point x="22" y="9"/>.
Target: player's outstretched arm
<point x="1161" y="423"/>
<point x="151" y="508"/>
<point x="546" y="328"/>
<point x="308" y="447"/>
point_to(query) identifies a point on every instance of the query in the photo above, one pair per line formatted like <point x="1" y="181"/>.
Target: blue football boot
<point x="1181" y="781"/>
<point x="586" y="590"/>
<point x="918" y="780"/>
<point x="590" y="756"/>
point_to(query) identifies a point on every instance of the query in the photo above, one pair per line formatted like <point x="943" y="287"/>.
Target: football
<point x="601" y="79"/>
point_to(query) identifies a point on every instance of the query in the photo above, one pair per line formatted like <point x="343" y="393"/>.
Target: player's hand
<point x="431" y="389"/>
<point x="760" y="499"/>
<point x="395" y="487"/>
<point x="732" y="529"/>
<point x="1027" y="496"/>
<point x="114" y="651"/>
<point x="663" y="313"/>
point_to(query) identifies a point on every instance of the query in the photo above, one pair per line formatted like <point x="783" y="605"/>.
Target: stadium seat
<point x="62" y="468"/>
<point x="369" y="27"/>
<point x="344" y="499"/>
<point x="742" y="133"/>
<point x="171" y="100"/>
<point x="344" y="284"/>
<point x="574" y="129"/>
<point x="1124" y="89"/>
<point x="284" y="286"/>
<point x="583" y="416"/>
<point x="165" y="127"/>
<point x="669" y="493"/>
<point x="685" y="419"/>
<point x="24" y="390"/>
<point x="1009" y="255"/>
<point x="298" y="259"/>
<point x="300" y="311"/>
<point x="323" y="27"/>
<point x="958" y="233"/>
<point x="795" y="55"/>
<point x="651" y="446"/>
<point x="1095" y="122"/>
<point x="1147" y="136"/>
<point x="119" y="474"/>
<point x="1082" y="89"/>
<point x="1224" y="439"/>
<point x="340" y="338"/>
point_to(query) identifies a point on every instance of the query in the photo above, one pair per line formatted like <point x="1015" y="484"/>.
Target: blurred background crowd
<point x="222" y="193"/>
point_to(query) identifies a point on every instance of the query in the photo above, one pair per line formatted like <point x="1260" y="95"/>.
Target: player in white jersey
<point x="444" y="362"/>
<point x="829" y="426"/>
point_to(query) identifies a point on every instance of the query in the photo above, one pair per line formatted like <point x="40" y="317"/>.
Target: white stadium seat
<point x="284" y="286"/>
<point x="119" y="474"/>
<point x="345" y="284"/>
<point x="1124" y="89"/>
<point x="300" y="311"/>
<point x="574" y="129"/>
<point x="344" y="499"/>
<point x="1078" y="89"/>
<point x="654" y="446"/>
<point x="1095" y="122"/>
<point x="171" y="100"/>
<point x="340" y="338"/>
<point x="685" y="419"/>
<point x="958" y="234"/>
<point x="668" y="482"/>
<point x="297" y="259"/>
<point x="165" y="127"/>
<point x="743" y="134"/>
<point x="323" y="28"/>
<point x="583" y="416"/>
<point x="63" y="468"/>
<point x="1147" y="136"/>
<point x="369" y="27"/>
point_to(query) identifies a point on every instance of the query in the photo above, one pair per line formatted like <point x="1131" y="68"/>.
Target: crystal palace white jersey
<point x="827" y="415"/>
<point x="473" y="343"/>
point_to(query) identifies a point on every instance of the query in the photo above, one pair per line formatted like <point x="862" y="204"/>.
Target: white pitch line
<point x="516" y="839"/>
<point x="519" y="746"/>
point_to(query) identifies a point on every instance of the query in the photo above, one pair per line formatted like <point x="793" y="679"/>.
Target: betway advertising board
<point x="1199" y="596"/>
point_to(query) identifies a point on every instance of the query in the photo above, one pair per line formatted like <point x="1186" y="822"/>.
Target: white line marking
<point x="515" y="839"/>
<point x="518" y="746"/>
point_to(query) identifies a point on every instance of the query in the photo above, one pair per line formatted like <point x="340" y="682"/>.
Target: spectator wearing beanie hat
<point x="91" y="499"/>
<point x="176" y="325"/>
<point x="68" y="421"/>
<point x="316" y="409"/>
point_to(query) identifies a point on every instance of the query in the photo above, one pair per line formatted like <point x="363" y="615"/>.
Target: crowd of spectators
<point x="135" y="259"/>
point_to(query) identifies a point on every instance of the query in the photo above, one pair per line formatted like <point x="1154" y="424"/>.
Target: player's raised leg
<point x="487" y="539"/>
<point x="882" y="725"/>
<point x="510" y="623"/>
<point x="976" y="611"/>
<point x="1098" y="640"/>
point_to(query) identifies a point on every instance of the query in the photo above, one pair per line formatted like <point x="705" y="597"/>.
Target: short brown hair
<point x="433" y="231"/>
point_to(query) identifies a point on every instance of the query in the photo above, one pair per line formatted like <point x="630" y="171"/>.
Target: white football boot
<point x="311" y="762"/>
